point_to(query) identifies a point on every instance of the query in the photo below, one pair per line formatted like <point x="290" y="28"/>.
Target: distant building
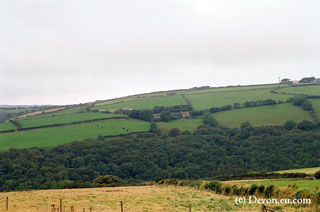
<point x="157" y="116"/>
<point x="169" y="94"/>
<point x="307" y="80"/>
<point x="102" y="111"/>
<point x="124" y="110"/>
<point x="185" y="114"/>
<point x="285" y="81"/>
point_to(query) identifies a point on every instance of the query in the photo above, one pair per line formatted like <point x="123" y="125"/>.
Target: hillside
<point x="261" y="105"/>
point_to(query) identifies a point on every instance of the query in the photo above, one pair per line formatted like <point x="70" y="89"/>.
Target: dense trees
<point x="205" y="153"/>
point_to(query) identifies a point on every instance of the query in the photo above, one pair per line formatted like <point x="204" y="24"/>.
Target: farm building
<point x="185" y="114"/>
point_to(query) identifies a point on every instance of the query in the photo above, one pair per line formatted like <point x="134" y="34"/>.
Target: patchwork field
<point x="7" y="126"/>
<point x="48" y="137"/>
<point x="305" y="170"/>
<point x="135" y="199"/>
<point x="182" y="124"/>
<point x="218" y="99"/>
<point x="146" y="103"/>
<point x="262" y="115"/>
<point x="316" y="106"/>
<point x="308" y="90"/>
<point x="65" y="119"/>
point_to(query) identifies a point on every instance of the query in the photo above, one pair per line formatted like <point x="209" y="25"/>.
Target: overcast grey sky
<point x="72" y="51"/>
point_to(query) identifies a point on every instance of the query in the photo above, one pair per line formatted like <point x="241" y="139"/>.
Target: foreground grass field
<point x="48" y="137"/>
<point x="305" y="170"/>
<point x="65" y="119"/>
<point x="218" y="99"/>
<point x="135" y="199"/>
<point x="262" y="115"/>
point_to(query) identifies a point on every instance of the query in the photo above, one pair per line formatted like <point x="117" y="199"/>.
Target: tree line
<point x="205" y="153"/>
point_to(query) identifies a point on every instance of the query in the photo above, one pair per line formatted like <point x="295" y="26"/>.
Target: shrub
<point x="174" y="132"/>
<point x="235" y="190"/>
<point x="269" y="190"/>
<point x="261" y="189"/>
<point x="186" y="132"/>
<point x="306" y="125"/>
<point x="227" y="190"/>
<point x="307" y="105"/>
<point x="253" y="189"/>
<point x="108" y="181"/>
<point x="214" y="186"/>
<point x="298" y="100"/>
<point x="317" y="174"/>
<point x="196" y="184"/>
<point x="289" y="125"/>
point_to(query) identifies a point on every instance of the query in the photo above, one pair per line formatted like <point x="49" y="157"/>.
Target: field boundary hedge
<point x="65" y="124"/>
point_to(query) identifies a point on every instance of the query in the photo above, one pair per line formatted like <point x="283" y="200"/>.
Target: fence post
<point x="190" y="208"/>
<point x="60" y="205"/>
<point x="121" y="205"/>
<point x="7" y="203"/>
<point x="263" y="208"/>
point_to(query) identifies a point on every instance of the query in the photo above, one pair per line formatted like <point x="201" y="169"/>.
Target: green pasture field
<point x="234" y="89"/>
<point x="302" y="184"/>
<point x="65" y="119"/>
<point x="316" y="106"/>
<point x="52" y="136"/>
<point x="308" y="90"/>
<point x="208" y="100"/>
<point x="182" y="124"/>
<point x="262" y="115"/>
<point x="7" y="126"/>
<point x="304" y="170"/>
<point x="146" y="103"/>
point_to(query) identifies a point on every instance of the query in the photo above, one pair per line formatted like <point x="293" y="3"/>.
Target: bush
<point x="306" y="125"/>
<point x="174" y="132"/>
<point x="298" y="100"/>
<point x="317" y="174"/>
<point x="290" y="125"/>
<point x="214" y="186"/>
<point x="269" y="190"/>
<point x="208" y="119"/>
<point x="253" y="189"/>
<point x="108" y="181"/>
<point x="261" y="189"/>
<point x="307" y="105"/>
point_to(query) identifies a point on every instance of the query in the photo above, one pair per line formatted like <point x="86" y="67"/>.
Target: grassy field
<point x="305" y="170"/>
<point x="316" y="106"/>
<point x="182" y="124"/>
<point x="218" y="99"/>
<point x="146" y="103"/>
<point x="234" y="88"/>
<point x="263" y="115"/>
<point x="48" y="137"/>
<point x="302" y="184"/>
<point x="65" y="119"/>
<point x="7" y="126"/>
<point x="308" y="90"/>
<point x="135" y="199"/>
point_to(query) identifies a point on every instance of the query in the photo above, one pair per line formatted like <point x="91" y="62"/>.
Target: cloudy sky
<point x="72" y="51"/>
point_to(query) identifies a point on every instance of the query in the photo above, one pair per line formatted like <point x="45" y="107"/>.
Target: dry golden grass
<point x="40" y="112"/>
<point x="135" y="199"/>
<point x="142" y="199"/>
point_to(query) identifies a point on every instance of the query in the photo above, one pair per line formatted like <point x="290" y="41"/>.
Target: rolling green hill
<point x="79" y="122"/>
